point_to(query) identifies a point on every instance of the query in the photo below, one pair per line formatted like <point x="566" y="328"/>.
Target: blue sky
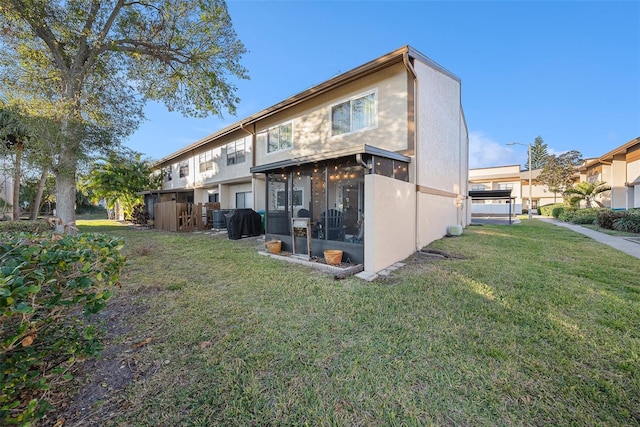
<point x="567" y="71"/>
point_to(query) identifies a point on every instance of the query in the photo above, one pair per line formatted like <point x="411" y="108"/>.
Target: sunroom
<point x="330" y="193"/>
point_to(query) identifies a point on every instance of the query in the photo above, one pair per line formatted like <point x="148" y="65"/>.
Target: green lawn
<point x="529" y="324"/>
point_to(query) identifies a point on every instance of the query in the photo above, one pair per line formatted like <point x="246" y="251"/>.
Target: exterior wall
<point x="389" y="227"/>
<point x="312" y="120"/>
<point x="442" y="170"/>
<point x="617" y="183"/>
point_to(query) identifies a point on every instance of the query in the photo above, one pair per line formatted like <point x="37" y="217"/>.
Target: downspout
<point x="416" y="150"/>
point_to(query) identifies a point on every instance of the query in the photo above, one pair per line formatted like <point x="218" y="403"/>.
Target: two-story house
<point x="376" y="158"/>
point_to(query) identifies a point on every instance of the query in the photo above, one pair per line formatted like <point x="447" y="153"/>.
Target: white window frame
<point x="233" y="147"/>
<point x="167" y="173"/>
<point x="476" y="187"/>
<point x="505" y="186"/>
<point x="351" y="100"/>
<point x="264" y="135"/>
<point x="182" y="173"/>
<point x="208" y="161"/>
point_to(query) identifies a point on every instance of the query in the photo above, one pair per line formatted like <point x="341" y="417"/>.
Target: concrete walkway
<point x="617" y="242"/>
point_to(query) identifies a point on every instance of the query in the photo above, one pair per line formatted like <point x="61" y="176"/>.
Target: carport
<point x="494" y="195"/>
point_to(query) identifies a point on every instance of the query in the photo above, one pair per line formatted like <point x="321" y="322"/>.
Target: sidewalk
<point x="617" y="242"/>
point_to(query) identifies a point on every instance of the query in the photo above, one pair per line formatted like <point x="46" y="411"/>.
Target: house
<point x="511" y="178"/>
<point x="376" y="158"/>
<point x="619" y="168"/>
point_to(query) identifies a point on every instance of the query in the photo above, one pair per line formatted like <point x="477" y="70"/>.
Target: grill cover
<point x="243" y="222"/>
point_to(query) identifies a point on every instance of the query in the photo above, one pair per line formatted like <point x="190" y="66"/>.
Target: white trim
<point x="363" y="94"/>
<point x="279" y="150"/>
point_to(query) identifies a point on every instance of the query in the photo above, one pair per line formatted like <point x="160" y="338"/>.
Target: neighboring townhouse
<point x="507" y="178"/>
<point x="620" y="169"/>
<point x="376" y="158"/>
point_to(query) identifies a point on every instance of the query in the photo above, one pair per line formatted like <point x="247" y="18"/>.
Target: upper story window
<point x="355" y="114"/>
<point x="508" y="186"/>
<point x="184" y="169"/>
<point x="478" y="187"/>
<point x="236" y="152"/>
<point x="206" y="161"/>
<point x="166" y="173"/>
<point x="277" y="138"/>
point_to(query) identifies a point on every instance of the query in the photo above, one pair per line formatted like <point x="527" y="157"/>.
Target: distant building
<point x="619" y="168"/>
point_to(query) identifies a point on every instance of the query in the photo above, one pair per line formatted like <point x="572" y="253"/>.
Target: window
<point x="166" y="172"/>
<point x="277" y="138"/>
<point x="505" y="186"/>
<point x="297" y="198"/>
<point x="244" y="200"/>
<point x="355" y="114"/>
<point x="236" y="152"/>
<point x="206" y="161"/>
<point x="478" y="187"/>
<point x="184" y="169"/>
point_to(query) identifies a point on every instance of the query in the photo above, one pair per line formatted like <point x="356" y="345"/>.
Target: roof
<point x="363" y="149"/>
<point x="395" y="57"/>
<point x="490" y="194"/>
<point x="609" y="156"/>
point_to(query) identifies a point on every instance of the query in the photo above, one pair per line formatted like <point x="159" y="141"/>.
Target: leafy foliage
<point x="92" y="65"/>
<point x="608" y="217"/>
<point x="629" y="222"/>
<point x="120" y="178"/>
<point x="558" y="171"/>
<point x="547" y="210"/>
<point x="43" y="279"/>
<point x="26" y="226"/>
<point x="586" y="191"/>
<point x="578" y="216"/>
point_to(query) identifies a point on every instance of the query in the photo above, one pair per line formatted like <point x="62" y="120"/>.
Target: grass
<point x="530" y="324"/>
<point x="609" y="231"/>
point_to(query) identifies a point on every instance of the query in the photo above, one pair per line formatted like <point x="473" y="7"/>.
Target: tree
<point x="586" y="191"/>
<point x="539" y="154"/>
<point x="119" y="179"/>
<point x="15" y="133"/>
<point x="98" y="62"/>
<point x="558" y="171"/>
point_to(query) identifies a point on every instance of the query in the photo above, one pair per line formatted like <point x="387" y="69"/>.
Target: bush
<point x="584" y="216"/>
<point x="26" y="226"/>
<point x="547" y="210"/>
<point x="557" y="211"/>
<point x="607" y="218"/>
<point x="629" y="222"/>
<point x="565" y="213"/>
<point x="140" y="215"/>
<point x="44" y="278"/>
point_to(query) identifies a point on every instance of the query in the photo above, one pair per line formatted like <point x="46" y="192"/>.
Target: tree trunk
<point x="66" y="190"/>
<point x="16" y="181"/>
<point x="38" y="200"/>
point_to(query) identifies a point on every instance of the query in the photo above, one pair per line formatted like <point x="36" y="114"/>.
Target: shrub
<point x="584" y="216"/>
<point x="607" y="217"/>
<point x="140" y="214"/>
<point x="566" y="214"/>
<point x="557" y="211"/>
<point x="26" y="226"/>
<point x="44" y="278"/>
<point x="629" y="222"/>
<point x="547" y="210"/>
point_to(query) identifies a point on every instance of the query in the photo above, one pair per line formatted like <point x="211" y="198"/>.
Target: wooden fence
<point x="172" y="216"/>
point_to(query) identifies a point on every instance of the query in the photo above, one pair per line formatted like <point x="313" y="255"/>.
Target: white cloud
<point x="485" y="152"/>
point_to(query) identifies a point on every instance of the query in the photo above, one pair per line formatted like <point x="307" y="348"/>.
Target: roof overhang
<point x="362" y="149"/>
<point x="385" y="61"/>
<point x="145" y="192"/>
<point x="491" y="195"/>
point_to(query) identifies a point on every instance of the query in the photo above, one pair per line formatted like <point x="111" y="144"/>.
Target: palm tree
<point x="586" y="191"/>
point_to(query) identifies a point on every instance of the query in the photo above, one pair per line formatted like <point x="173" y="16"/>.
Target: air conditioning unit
<point x="454" y="230"/>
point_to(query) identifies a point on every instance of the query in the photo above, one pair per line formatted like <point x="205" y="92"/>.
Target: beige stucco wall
<point x="618" y="179"/>
<point x="390" y="228"/>
<point x="312" y="119"/>
<point x="442" y="157"/>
